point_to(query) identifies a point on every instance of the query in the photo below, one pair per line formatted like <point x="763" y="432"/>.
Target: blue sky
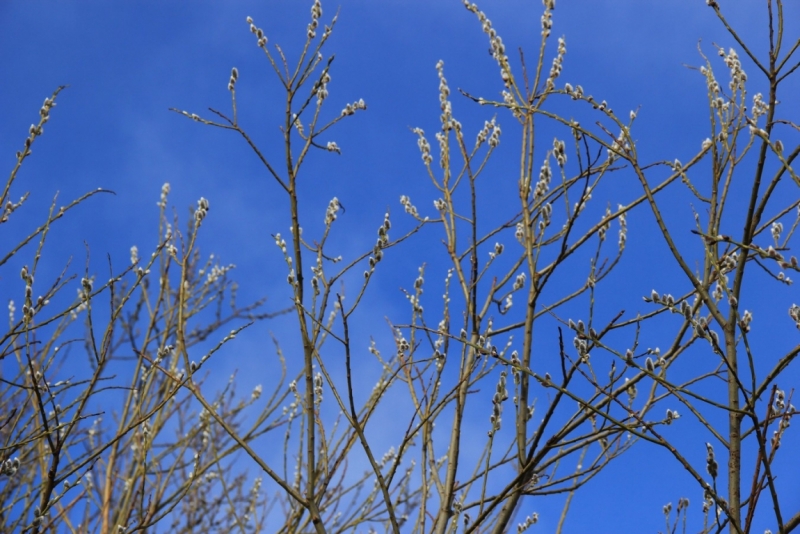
<point x="127" y="63"/>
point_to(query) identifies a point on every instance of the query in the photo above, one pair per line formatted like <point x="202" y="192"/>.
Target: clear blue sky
<point x="127" y="62"/>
